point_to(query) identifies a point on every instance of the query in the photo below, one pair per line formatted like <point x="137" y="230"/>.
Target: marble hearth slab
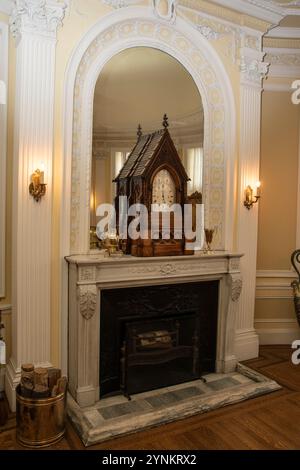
<point x="116" y="416"/>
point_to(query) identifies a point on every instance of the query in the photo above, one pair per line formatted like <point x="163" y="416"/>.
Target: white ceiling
<point x="139" y="85"/>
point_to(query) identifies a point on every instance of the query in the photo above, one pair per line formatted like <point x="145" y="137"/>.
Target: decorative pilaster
<point x="252" y="71"/>
<point x="84" y="335"/>
<point x="34" y="24"/>
<point x="87" y="390"/>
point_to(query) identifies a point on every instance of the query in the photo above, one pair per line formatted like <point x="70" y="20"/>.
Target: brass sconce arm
<point x="250" y="199"/>
<point x="37" y="187"/>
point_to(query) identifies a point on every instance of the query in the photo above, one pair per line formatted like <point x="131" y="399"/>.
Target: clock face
<point x="163" y="189"/>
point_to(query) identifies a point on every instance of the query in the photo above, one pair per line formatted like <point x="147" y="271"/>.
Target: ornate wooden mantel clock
<point x="154" y="174"/>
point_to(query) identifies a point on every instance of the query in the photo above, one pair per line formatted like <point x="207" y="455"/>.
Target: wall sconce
<point x="37" y="187"/>
<point x="250" y="198"/>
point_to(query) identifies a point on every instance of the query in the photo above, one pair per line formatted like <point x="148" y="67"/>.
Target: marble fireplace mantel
<point x="89" y="274"/>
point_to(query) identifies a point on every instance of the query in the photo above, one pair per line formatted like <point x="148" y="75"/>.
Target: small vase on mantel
<point x="209" y="234"/>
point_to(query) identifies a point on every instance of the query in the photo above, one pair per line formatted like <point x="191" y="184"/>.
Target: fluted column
<point x="33" y="24"/>
<point x="252" y="71"/>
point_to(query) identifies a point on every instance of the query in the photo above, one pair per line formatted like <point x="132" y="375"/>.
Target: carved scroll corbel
<point x="87" y="299"/>
<point x="236" y="283"/>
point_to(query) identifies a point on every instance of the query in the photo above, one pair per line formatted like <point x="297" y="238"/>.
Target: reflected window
<point x="119" y="160"/>
<point x="194" y="167"/>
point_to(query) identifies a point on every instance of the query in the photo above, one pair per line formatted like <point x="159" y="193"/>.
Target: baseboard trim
<point x="279" y="274"/>
<point x="246" y="345"/>
<point x="12" y="379"/>
<point x="278" y="335"/>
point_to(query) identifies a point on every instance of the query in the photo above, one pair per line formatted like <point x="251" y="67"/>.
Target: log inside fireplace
<point x="157" y="353"/>
<point x="157" y="336"/>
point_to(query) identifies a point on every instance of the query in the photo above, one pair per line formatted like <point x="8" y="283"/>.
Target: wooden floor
<point x="268" y="422"/>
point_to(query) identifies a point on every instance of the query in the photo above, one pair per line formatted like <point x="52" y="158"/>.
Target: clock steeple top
<point x="139" y="132"/>
<point x="165" y="122"/>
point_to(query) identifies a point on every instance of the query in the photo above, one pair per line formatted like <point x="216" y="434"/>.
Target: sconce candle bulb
<point x="258" y="185"/>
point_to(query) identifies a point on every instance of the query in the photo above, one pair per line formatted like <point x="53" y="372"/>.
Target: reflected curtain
<point x="194" y="169"/>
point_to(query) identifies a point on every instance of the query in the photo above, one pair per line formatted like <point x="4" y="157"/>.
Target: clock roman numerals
<point x="163" y="188"/>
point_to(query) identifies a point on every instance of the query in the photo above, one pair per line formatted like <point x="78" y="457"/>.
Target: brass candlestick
<point x="111" y="244"/>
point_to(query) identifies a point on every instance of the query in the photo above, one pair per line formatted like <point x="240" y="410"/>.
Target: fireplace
<point x="172" y="306"/>
<point x="157" y="336"/>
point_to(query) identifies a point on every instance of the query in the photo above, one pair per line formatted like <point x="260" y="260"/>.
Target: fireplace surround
<point x="93" y="278"/>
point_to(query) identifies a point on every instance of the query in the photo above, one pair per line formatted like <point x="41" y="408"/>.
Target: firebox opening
<point x="157" y="336"/>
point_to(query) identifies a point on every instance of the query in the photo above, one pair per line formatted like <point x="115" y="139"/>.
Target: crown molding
<point x="261" y="9"/>
<point x="284" y="33"/>
<point x="284" y="61"/>
<point x="282" y="51"/>
<point x="6" y="6"/>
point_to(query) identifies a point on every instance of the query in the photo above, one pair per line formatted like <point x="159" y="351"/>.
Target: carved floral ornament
<point x="116" y="3"/>
<point x="87" y="299"/>
<point x="164" y="9"/>
<point x="236" y="287"/>
<point x="253" y="69"/>
<point x="37" y="16"/>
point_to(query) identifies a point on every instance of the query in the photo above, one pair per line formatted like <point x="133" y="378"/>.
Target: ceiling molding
<point x="284" y="71"/>
<point x="264" y="10"/>
<point x="285" y="33"/>
<point x="281" y="50"/>
<point x="6" y="6"/>
<point x="115" y="135"/>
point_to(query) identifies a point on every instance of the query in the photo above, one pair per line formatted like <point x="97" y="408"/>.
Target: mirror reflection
<point x="138" y="86"/>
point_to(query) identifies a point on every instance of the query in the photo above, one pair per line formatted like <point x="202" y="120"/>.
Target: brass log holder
<point x="40" y="421"/>
<point x="295" y="259"/>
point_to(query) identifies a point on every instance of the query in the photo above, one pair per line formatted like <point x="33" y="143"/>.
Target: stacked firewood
<point x="41" y="382"/>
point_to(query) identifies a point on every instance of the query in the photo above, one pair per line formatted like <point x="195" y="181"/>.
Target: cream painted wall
<point x="6" y="301"/>
<point x="11" y="86"/>
<point x="274" y="312"/>
<point x="274" y="309"/>
<point x="279" y="175"/>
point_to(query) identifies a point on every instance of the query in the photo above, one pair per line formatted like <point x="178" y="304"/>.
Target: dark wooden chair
<point x="295" y="258"/>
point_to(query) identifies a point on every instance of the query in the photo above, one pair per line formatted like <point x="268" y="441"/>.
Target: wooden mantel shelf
<point x="97" y="258"/>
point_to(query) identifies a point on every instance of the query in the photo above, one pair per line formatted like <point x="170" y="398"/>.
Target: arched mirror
<point x="138" y="86"/>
